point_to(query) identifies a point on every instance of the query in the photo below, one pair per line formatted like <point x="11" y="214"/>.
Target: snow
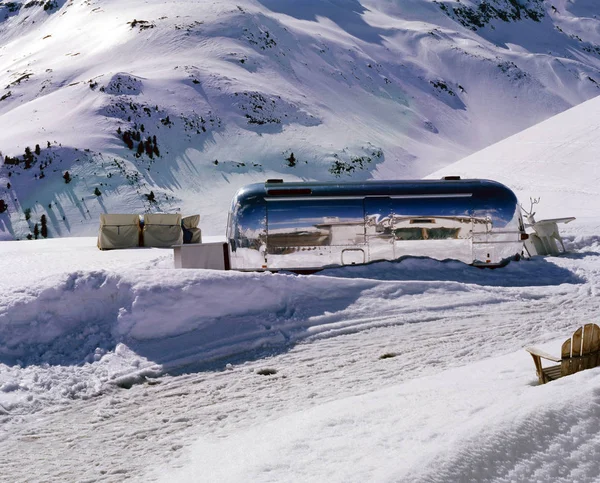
<point x="114" y="365"/>
<point x="483" y="422"/>
<point x="457" y="400"/>
<point x="232" y="89"/>
<point x="546" y="162"/>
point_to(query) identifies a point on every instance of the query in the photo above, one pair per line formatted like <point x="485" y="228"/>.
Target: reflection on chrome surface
<point x="475" y="221"/>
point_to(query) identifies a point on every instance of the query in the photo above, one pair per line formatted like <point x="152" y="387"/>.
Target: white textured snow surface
<point x="115" y="366"/>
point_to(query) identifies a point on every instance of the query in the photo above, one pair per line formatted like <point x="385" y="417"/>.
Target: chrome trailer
<point x="307" y="226"/>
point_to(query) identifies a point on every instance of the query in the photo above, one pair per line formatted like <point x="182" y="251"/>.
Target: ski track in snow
<point x="124" y="410"/>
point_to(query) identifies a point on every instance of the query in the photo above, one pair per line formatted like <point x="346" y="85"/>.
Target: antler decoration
<point x="533" y="201"/>
<point x="530" y="214"/>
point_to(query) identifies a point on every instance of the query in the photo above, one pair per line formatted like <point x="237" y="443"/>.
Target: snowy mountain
<point x="140" y="107"/>
<point x="114" y="365"/>
<point x="547" y="161"/>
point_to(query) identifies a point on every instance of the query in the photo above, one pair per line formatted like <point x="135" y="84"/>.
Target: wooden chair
<point x="581" y="351"/>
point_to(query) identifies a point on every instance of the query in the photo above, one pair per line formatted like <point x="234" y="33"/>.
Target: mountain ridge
<point x="153" y="110"/>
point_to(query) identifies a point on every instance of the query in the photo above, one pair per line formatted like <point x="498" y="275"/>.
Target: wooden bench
<point x="581" y="351"/>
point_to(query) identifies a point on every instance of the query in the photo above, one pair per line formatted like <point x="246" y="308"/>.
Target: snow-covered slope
<point x="225" y="93"/>
<point x="114" y="364"/>
<point x="555" y="161"/>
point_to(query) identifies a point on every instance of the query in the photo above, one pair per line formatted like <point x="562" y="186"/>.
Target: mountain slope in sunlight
<point x="138" y="107"/>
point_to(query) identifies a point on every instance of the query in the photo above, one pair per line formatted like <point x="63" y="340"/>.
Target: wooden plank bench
<point x="581" y="351"/>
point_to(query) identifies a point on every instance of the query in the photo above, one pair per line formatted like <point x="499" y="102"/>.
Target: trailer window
<point x="323" y="222"/>
<point x="426" y="233"/>
<point x="408" y="234"/>
<point x="442" y="233"/>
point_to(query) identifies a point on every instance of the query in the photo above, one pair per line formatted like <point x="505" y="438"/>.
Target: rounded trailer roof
<point x="477" y="188"/>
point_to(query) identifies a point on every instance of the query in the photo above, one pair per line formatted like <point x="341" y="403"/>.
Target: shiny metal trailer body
<point x="309" y="226"/>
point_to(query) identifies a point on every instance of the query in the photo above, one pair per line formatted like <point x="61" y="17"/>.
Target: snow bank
<point x="64" y="319"/>
<point x="481" y="422"/>
<point x="103" y="326"/>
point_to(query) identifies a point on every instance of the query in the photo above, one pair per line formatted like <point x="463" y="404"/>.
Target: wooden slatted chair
<point x="581" y="351"/>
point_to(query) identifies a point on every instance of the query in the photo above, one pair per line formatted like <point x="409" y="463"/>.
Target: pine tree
<point x="37" y="149"/>
<point x="67" y="177"/>
<point x="3" y="206"/>
<point x="97" y="192"/>
<point x="44" y="230"/>
<point x="36" y="231"/>
<point x="127" y="139"/>
<point x="140" y="149"/>
<point x="291" y="160"/>
<point x="28" y="157"/>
